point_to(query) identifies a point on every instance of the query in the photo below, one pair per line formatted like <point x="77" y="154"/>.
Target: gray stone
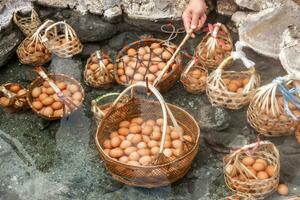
<point x="122" y="39"/>
<point x="113" y="14"/>
<point x="258" y="5"/>
<point x="239" y="17"/>
<point x="226" y="7"/>
<point x="89" y="48"/>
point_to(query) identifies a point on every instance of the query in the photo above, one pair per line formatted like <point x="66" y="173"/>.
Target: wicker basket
<point x="62" y="41"/>
<point x="220" y="95"/>
<point x="31" y="51"/>
<point x="12" y="102"/>
<point x="101" y="76"/>
<point x="239" y="196"/>
<point x="28" y="25"/>
<point x="215" y="46"/>
<point x="271" y="120"/>
<point x="168" y="79"/>
<point x="192" y="82"/>
<point x="55" y="77"/>
<point x="162" y="171"/>
<point x="258" y="188"/>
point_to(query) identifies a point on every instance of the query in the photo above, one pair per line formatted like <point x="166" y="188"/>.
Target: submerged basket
<point x="222" y="89"/>
<point x="29" y="24"/>
<point x="12" y="100"/>
<point x="32" y="51"/>
<point x="194" y="78"/>
<point x="215" y="46"/>
<point x="68" y="107"/>
<point x="99" y="70"/>
<point x="267" y="115"/>
<point x="162" y="171"/>
<point x="129" y="65"/>
<point x="258" y="188"/>
<point x="62" y="41"/>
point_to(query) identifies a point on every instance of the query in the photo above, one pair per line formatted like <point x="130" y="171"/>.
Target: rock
<point x="68" y="66"/>
<point x="9" y="44"/>
<point x="113" y="14"/>
<point x="258" y="5"/>
<point x="122" y="39"/>
<point x="226" y="7"/>
<point x="239" y="17"/>
<point x="262" y="31"/>
<point x="89" y="48"/>
<point x="289" y="51"/>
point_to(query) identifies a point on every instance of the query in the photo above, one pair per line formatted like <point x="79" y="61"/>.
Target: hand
<point x="194" y="15"/>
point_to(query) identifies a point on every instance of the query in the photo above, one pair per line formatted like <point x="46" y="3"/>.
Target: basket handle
<point x="164" y="107"/>
<point x="96" y="101"/>
<point x="68" y="30"/>
<point x="37" y="35"/>
<point x="248" y="146"/>
<point x="190" y="65"/>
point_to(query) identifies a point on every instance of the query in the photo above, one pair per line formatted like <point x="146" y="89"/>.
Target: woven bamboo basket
<point x="12" y="101"/>
<point x="27" y="24"/>
<point x="68" y="105"/>
<point x="63" y="40"/>
<point x="220" y="95"/>
<point x="239" y="196"/>
<point x="162" y="171"/>
<point x="168" y="79"/>
<point x="32" y="51"/>
<point x="193" y="81"/>
<point x="253" y="186"/>
<point x="294" y="198"/>
<point x="99" y="70"/>
<point x="215" y="46"/>
<point x="267" y="115"/>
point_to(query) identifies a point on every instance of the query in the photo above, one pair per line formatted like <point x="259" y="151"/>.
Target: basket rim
<point x="178" y="58"/>
<point x="50" y="75"/>
<point x="195" y="146"/>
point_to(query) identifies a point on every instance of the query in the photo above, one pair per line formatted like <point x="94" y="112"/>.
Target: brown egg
<point x="238" y="83"/>
<point x="174" y="135"/>
<point x="155" y="136"/>
<point x="133" y="163"/>
<point x="177" y="144"/>
<point x="160" y="121"/>
<point x="153" y="68"/>
<point x="130" y="136"/>
<point x="46" y="84"/>
<point x="258" y="166"/>
<point x="188" y="138"/>
<point x="14" y="88"/>
<point x="116" y="153"/>
<point x="145" y="160"/>
<point x="240" y="90"/>
<point x="155" y="45"/>
<point x="137" y="120"/>
<point x="177" y="152"/>
<point x="226" y="81"/>
<point x="77" y="96"/>
<point x="129" y="72"/>
<point x="152" y="143"/>
<point x="245" y="81"/>
<point x="270" y="170"/>
<point x="50" y="91"/>
<point x="168" y="144"/>
<point x="136" y="139"/>
<point x="131" y="52"/>
<point x="129" y="150"/>
<point x="249" y="175"/>
<point x="283" y="189"/>
<point x="44" y="89"/>
<point x="248" y="160"/>
<point x="125" y="144"/>
<point x="37" y="91"/>
<point x="135" y="129"/>
<point x="4" y="101"/>
<point x="196" y="74"/>
<point x="262" y="161"/>
<point x="58" y="113"/>
<point x="120" y="72"/>
<point x="262" y="175"/>
<point x="166" y="55"/>
<point x="147" y="130"/>
<point x="154" y="150"/>
<point x="168" y="152"/>
<point x="138" y="77"/>
<point x="21" y="92"/>
<point x="142" y="70"/>
<point x="232" y="87"/>
<point x="123" y="79"/>
<point x="161" y="65"/>
<point x="123" y="131"/>
<point x="151" y="77"/>
<point x="61" y="85"/>
<point x="150" y="122"/>
<point x="124" y="159"/>
<point x="124" y="124"/>
<point x="48" y="111"/>
<point x="37" y="105"/>
<point x="113" y="134"/>
<point x="141" y="145"/>
<point x="156" y="128"/>
<point x="73" y="88"/>
<point x="134" y="156"/>
<point x="48" y="101"/>
<point x="115" y="141"/>
<point x="107" y="144"/>
<point x="156" y="60"/>
<point x="144" y="152"/>
<point x="125" y="59"/>
<point x="57" y="105"/>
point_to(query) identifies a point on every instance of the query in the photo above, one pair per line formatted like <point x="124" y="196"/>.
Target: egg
<point x="168" y="152"/>
<point x="67" y="93"/>
<point x="58" y="113"/>
<point x="77" y="96"/>
<point x="150" y="122"/>
<point x="50" y="91"/>
<point x="125" y="144"/>
<point x="166" y="55"/>
<point x="129" y="150"/>
<point x="21" y="92"/>
<point x="125" y="59"/>
<point x="152" y="143"/>
<point x="262" y="175"/>
<point x="57" y="105"/>
<point x="134" y="156"/>
<point x="283" y="189"/>
<point x="159" y="121"/>
<point x="141" y="145"/>
<point x="113" y="134"/>
<point x="107" y="144"/>
<point x="155" y="45"/>
<point x="262" y="161"/>
<point x="177" y="144"/>
<point x="138" y="77"/>
<point x="124" y="159"/>
<point x="153" y="69"/>
<point x="142" y="70"/>
<point x="15" y="88"/>
<point x="151" y="77"/>
<point x="168" y="144"/>
<point x="147" y="130"/>
<point x="174" y="135"/>
<point x="136" y="139"/>
<point x="141" y="51"/>
<point x="240" y="90"/>
<point x="46" y="84"/>
<point x="145" y="160"/>
<point x="129" y="136"/>
<point x="232" y="87"/>
<point x="37" y="105"/>
<point x="61" y="85"/>
<point x="177" y="152"/>
<point x="131" y="52"/>
<point x="48" y="101"/>
<point x="36" y="92"/>
<point x="196" y="74"/>
<point x="248" y="160"/>
<point x="48" y="111"/>
<point x="155" y="136"/>
<point x="115" y="141"/>
<point x="270" y="170"/>
<point x="123" y="131"/>
<point x="73" y="88"/>
<point x="245" y="81"/>
<point x="137" y="120"/>
<point x="123" y="79"/>
<point x="161" y="65"/>
<point x="120" y="72"/>
<point x="154" y="150"/>
<point x="133" y="163"/>
<point x="252" y="174"/>
<point x="116" y="153"/>
<point x="156" y="128"/>
<point x="144" y="152"/>
<point x="124" y="124"/>
<point x="129" y="72"/>
<point x="188" y="138"/>
<point x="4" y="101"/>
<point x="258" y="166"/>
<point x="106" y="151"/>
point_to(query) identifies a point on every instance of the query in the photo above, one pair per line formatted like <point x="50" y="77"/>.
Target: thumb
<point x="195" y="20"/>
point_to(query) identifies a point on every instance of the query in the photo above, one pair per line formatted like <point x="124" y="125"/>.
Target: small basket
<point x="99" y="70"/>
<point x="194" y="78"/>
<point x="12" y="101"/>
<point x="28" y="25"/>
<point x="219" y="88"/>
<point x="267" y="115"/>
<point x="32" y="51"/>
<point x="215" y="46"/>
<point x="129" y="65"/>
<point x="239" y="196"/>
<point x="258" y="188"/>
<point x="68" y="107"/>
<point x="162" y="171"/>
<point x="62" y="41"/>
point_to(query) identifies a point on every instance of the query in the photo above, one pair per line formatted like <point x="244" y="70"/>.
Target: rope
<point x="173" y="32"/>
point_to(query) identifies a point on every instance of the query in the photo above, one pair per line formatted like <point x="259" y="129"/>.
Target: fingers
<point x="186" y="21"/>
<point x="201" y="21"/>
<point x="195" y="20"/>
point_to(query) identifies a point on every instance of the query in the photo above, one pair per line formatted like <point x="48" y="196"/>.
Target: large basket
<point x="101" y="76"/>
<point x="63" y="41"/>
<point x="168" y="79"/>
<point x="13" y="102"/>
<point x="32" y="51"/>
<point x="55" y="77"/>
<point x="254" y="186"/>
<point x="192" y="82"/>
<point x="27" y="24"/>
<point x="162" y="172"/>
<point x="220" y="95"/>
<point x="215" y="46"/>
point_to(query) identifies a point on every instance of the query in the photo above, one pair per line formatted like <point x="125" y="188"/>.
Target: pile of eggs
<point x="218" y="54"/>
<point x="197" y="77"/>
<point x="93" y="73"/>
<point x="237" y="85"/>
<point x="31" y="52"/>
<point x="259" y="167"/>
<point x="137" y="142"/>
<point x="46" y="102"/>
<point x="143" y="63"/>
<point x="15" y="89"/>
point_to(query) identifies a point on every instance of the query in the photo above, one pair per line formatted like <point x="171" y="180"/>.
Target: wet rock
<point x="289" y="50"/>
<point x="239" y="17"/>
<point x="262" y="31"/>
<point x="113" y="14"/>
<point x="122" y="39"/>
<point x="258" y="5"/>
<point x="226" y="7"/>
<point x="89" y="48"/>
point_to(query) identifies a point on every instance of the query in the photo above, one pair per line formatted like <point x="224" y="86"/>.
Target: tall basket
<point x="27" y="24"/>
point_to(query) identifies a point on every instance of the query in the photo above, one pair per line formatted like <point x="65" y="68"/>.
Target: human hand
<point x="194" y="15"/>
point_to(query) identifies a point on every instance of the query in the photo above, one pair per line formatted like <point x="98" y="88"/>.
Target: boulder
<point x="113" y="14"/>
<point x="257" y="5"/>
<point x="226" y="7"/>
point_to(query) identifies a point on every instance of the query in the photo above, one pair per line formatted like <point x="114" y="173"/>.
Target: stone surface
<point x="226" y="7"/>
<point x="113" y="14"/>
<point x="258" y="5"/>
<point x="239" y="17"/>
<point x="289" y="51"/>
